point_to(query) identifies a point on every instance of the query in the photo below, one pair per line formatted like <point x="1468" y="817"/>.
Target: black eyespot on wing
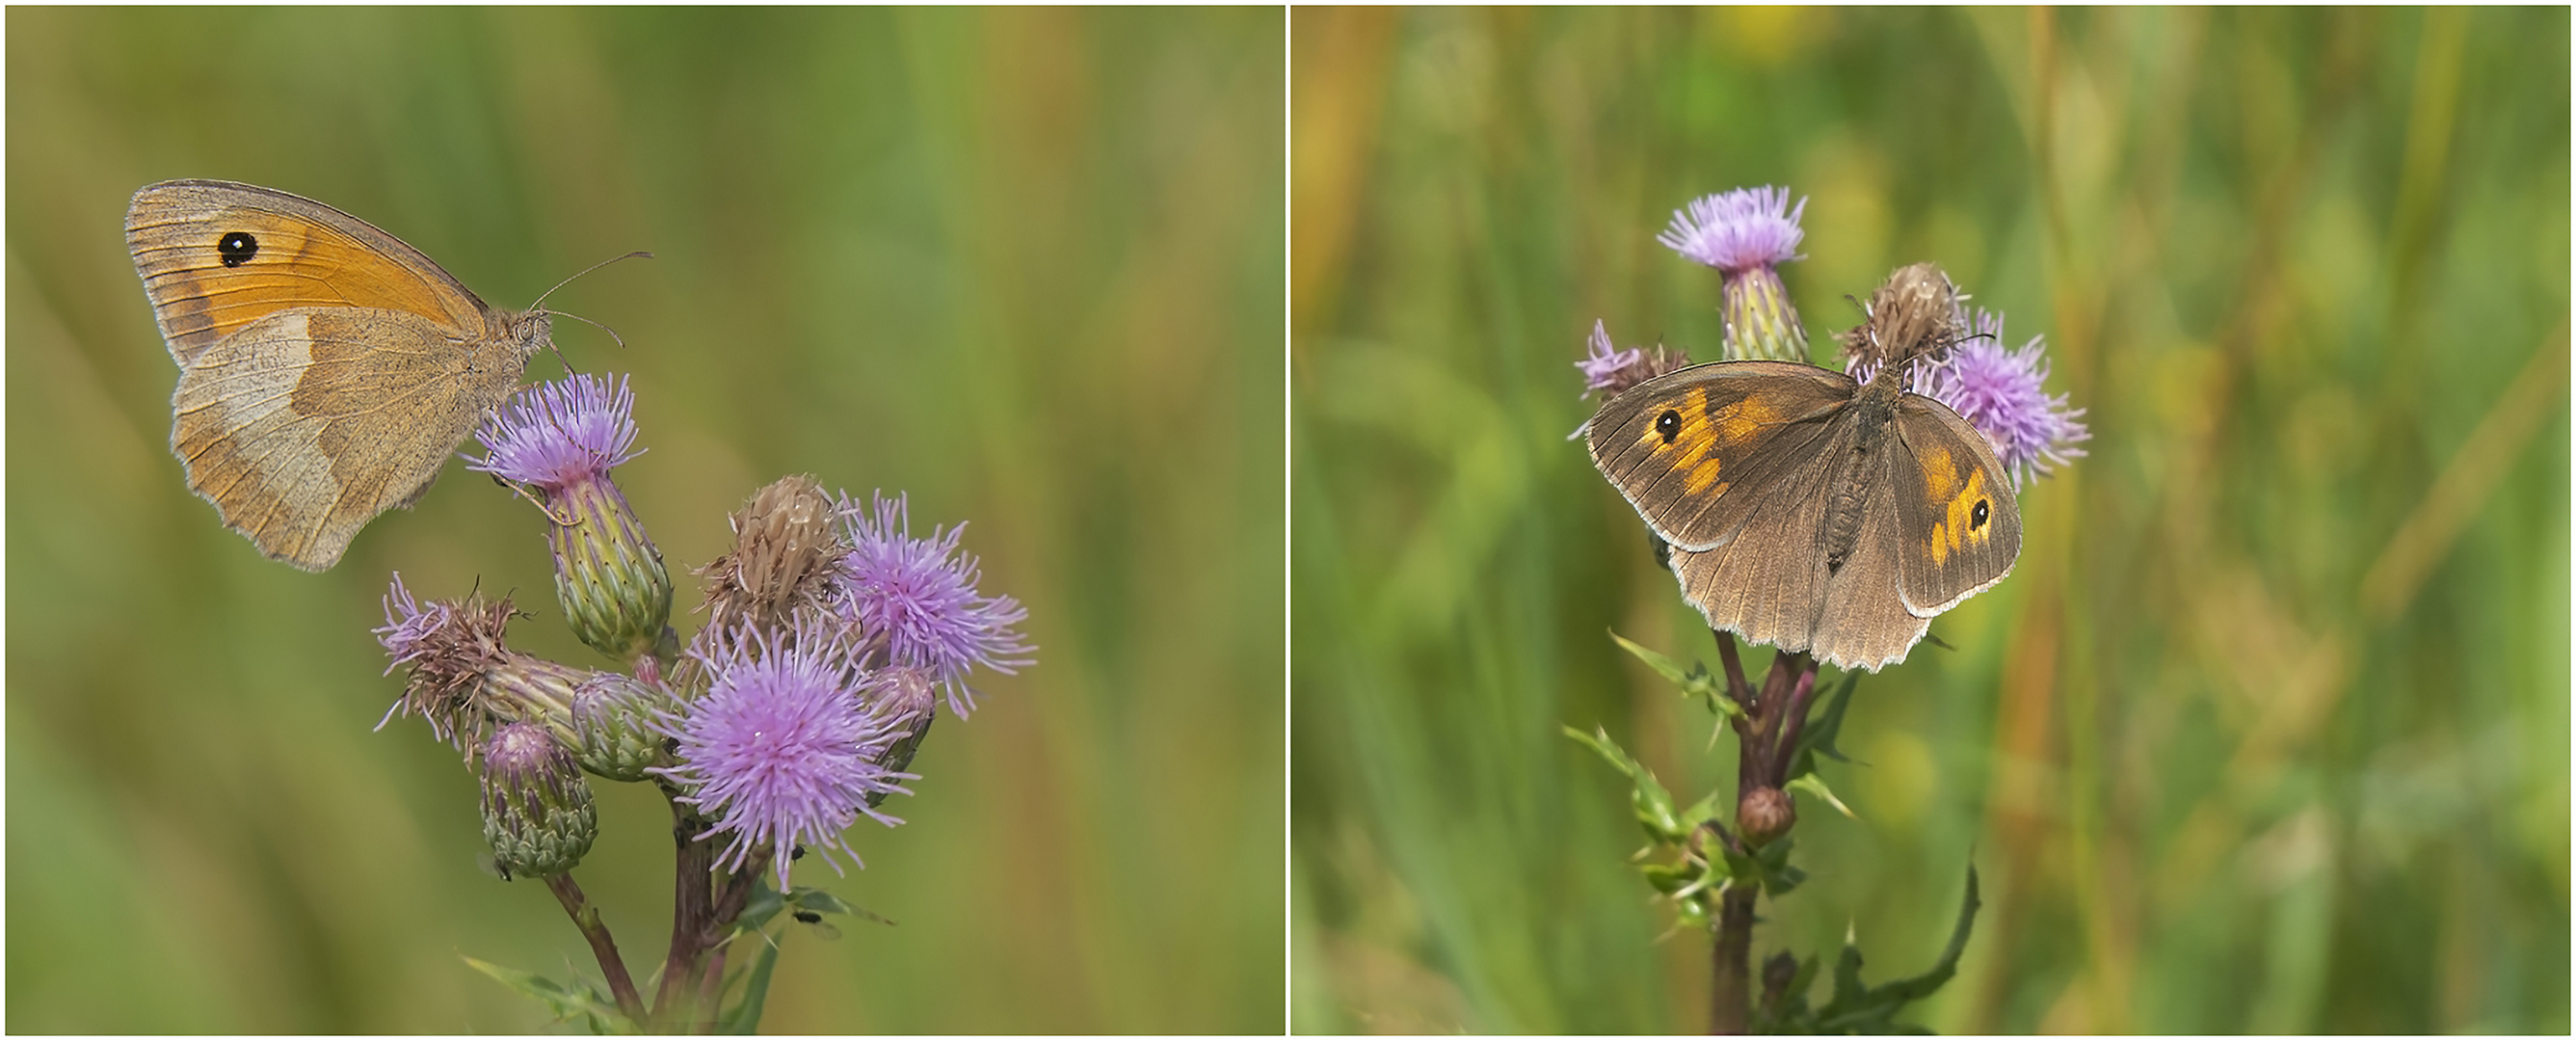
<point x="808" y="917"/>
<point x="237" y="247"/>
<point x="1977" y="517"/>
<point x="1669" y="424"/>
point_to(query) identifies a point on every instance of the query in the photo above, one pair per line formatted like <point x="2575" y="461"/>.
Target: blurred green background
<point x="2268" y="731"/>
<point x="1025" y="265"/>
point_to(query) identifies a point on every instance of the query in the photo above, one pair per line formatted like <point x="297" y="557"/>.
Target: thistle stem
<point x="694" y="862"/>
<point x="602" y="945"/>
<point x="1729" y="998"/>
<point x="1766" y="738"/>
<point x="727" y="909"/>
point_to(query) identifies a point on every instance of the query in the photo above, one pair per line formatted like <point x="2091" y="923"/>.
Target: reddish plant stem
<point x="1793" y="719"/>
<point x="709" y="980"/>
<point x="1730" y="1005"/>
<point x="691" y="909"/>
<point x="602" y="945"/>
<point x="728" y="908"/>
<point x="1766" y="735"/>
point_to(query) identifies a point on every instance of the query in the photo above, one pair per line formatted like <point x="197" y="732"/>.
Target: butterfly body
<point x="326" y="369"/>
<point x="1806" y="510"/>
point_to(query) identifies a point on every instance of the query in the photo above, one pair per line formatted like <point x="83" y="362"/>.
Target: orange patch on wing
<point x="1739" y="420"/>
<point x="1940" y="478"/>
<point x="1692" y="438"/>
<point x="1703" y="477"/>
<point x="1956" y="528"/>
<point x="1701" y="433"/>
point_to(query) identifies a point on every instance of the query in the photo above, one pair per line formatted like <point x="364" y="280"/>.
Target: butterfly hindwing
<point x="1958" y="520"/>
<point x="304" y="425"/>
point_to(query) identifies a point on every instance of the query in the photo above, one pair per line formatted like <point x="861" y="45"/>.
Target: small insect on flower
<point x="917" y="599"/>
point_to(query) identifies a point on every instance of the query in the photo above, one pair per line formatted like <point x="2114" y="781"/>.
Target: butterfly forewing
<point x="1958" y="520"/>
<point x="1695" y="450"/>
<point x="216" y="256"/>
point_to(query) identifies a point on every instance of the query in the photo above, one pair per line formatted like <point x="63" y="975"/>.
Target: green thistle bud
<point x="612" y="722"/>
<point x="1760" y="320"/>
<point x="561" y="439"/>
<point x="615" y="592"/>
<point x="522" y="688"/>
<point x="537" y="812"/>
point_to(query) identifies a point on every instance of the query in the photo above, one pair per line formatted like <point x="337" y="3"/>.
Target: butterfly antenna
<point x="612" y="333"/>
<point x="559" y="354"/>
<point x="541" y="297"/>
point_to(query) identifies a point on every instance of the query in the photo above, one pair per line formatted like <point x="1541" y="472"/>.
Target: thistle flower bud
<point x="615" y="592"/>
<point x="560" y="439"/>
<point x="1746" y="234"/>
<point x="537" y="812"/>
<point x="1609" y="371"/>
<point x="613" y="726"/>
<point x="449" y="646"/>
<point x="1764" y="814"/>
<point x="786" y="547"/>
<point x="464" y="678"/>
<point x="1916" y="315"/>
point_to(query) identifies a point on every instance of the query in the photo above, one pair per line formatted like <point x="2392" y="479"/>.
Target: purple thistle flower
<point x="1998" y="390"/>
<point x="407" y="627"/>
<point x="554" y="434"/>
<point x="1738" y="231"/>
<point x="910" y="597"/>
<point x="784" y="748"/>
<point x="1608" y="369"/>
<point x="1746" y="234"/>
<point x="1610" y="372"/>
<point x="562" y="438"/>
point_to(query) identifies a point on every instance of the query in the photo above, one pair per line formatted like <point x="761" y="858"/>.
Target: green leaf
<point x="823" y="902"/>
<point x="1655" y="660"/>
<point x="765" y="903"/>
<point x="1768" y="865"/>
<point x="1696" y="683"/>
<point x="744" y="1017"/>
<point x="820" y="901"/>
<point x="585" y="1001"/>
<point x="1813" y="784"/>
<point x="1857" y="1008"/>
<point x="1654" y="804"/>
<point x="1920" y="987"/>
